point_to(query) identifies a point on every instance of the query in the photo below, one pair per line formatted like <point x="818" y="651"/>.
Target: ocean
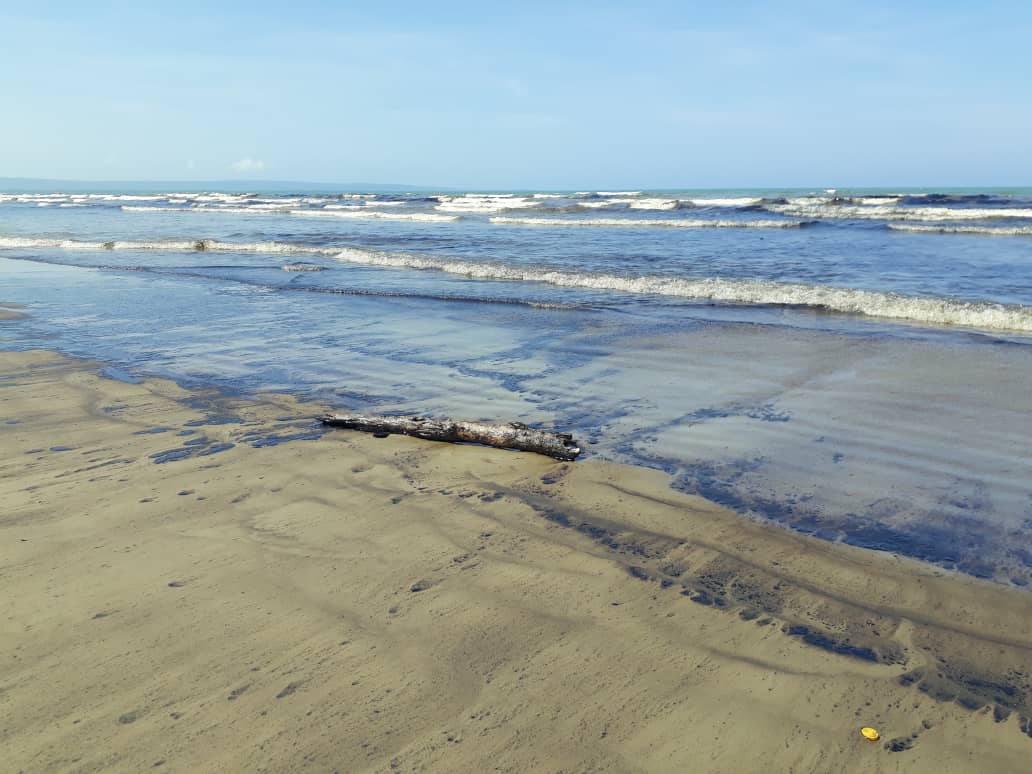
<point x="852" y="364"/>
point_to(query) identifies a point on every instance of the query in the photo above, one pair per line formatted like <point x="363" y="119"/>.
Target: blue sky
<point x="520" y="95"/>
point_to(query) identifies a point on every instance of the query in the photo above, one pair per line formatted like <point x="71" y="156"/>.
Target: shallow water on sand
<point x="899" y="435"/>
<point x="913" y="445"/>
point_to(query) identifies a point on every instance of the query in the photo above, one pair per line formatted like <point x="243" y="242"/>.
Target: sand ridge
<point x="11" y="311"/>
<point x="273" y="598"/>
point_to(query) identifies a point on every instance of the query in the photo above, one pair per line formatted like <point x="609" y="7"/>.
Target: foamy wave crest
<point x="485" y="203"/>
<point x="934" y="311"/>
<point x="876" y="200"/>
<point x="366" y="203"/>
<point x="598" y="204"/>
<point x="357" y="213"/>
<point x="985" y="230"/>
<point x="877" y="212"/>
<point x="225" y="209"/>
<point x="653" y="204"/>
<point x="645" y="223"/>
<point x="167" y="245"/>
<point x="929" y="311"/>
<point x="364" y="214"/>
<point x="147" y="208"/>
<point x="735" y="201"/>
<point x="31" y="243"/>
<point x="634" y="204"/>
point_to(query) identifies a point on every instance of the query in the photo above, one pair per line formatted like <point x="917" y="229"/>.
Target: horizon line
<point x="359" y="185"/>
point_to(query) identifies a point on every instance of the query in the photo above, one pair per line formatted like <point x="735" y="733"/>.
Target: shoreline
<point x="390" y="601"/>
<point x="11" y="311"/>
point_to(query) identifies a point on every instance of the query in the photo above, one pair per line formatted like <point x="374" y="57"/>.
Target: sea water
<point x="852" y="364"/>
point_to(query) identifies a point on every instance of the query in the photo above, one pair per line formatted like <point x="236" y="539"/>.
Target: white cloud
<point x="249" y="165"/>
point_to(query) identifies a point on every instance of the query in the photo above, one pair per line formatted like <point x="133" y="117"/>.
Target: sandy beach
<point x="272" y="598"/>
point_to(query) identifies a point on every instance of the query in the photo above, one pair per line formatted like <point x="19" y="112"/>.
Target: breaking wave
<point x="736" y="201"/>
<point x="986" y="230"/>
<point x="893" y="306"/>
<point x="653" y="222"/>
<point x="355" y="213"/>
<point x="374" y="215"/>
<point x="877" y="304"/>
<point x="485" y="203"/>
<point x="167" y="245"/>
<point x="830" y="210"/>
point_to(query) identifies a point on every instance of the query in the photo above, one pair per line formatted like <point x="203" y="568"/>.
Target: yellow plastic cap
<point x="870" y="734"/>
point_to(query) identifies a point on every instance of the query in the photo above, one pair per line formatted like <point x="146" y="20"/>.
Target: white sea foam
<point x="364" y="214"/>
<point x="618" y="193"/>
<point x="167" y="245"/>
<point x="646" y="223"/>
<point x="735" y="201"/>
<point x="936" y="311"/>
<point x="653" y="204"/>
<point x="149" y="208"/>
<point x="484" y="203"/>
<point x="282" y="201"/>
<point x="355" y="212"/>
<point x="883" y="200"/>
<point x="364" y="203"/>
<point x="634" y="204"/>
<point x="217" y="197"/>
<point x="33" y="243"/>
<point x="811" y="209"/>
<point x="598" y="204"/>
<point x="986" y="230"/>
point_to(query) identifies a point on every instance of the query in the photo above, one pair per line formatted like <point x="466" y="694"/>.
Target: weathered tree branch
<point x="511" y="435"/>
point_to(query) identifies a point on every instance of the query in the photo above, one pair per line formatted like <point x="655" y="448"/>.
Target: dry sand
<point x="357" y="604"/>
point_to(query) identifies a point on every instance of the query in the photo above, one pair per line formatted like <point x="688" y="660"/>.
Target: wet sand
<point x="9" y="311"/>
<point x="195" y="582"/>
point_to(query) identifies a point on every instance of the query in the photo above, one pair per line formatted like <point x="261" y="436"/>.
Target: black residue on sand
<point x="834" y="625"/>
<point x="170" y="455"/>
<point x="830" y="642"/>
<point x="119" y="375"/>
<point x="215" y="449"/>
<point x="222" y="419"/>
<point x="274" y="439"/>
<point x="955" y="542"/>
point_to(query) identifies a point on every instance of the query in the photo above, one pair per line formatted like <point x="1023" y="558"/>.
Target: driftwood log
<point x="510" y="435"/>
